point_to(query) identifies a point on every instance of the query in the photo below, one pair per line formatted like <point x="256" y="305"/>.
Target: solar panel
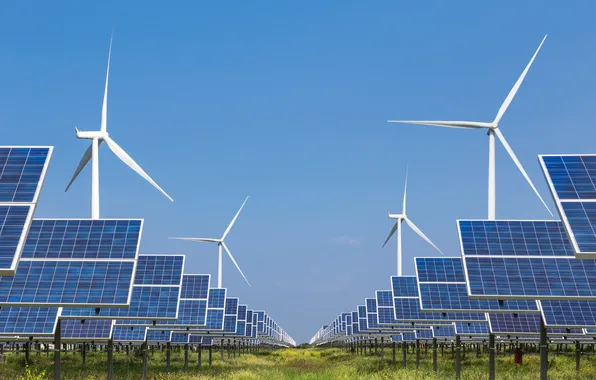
<point x="477" y="329"/>
<point x="407" y="307"/>
<point x="215" y="309"/>
<point x="514" y="324"/>
<point x="568" y="313"/>
<point x="572" y="179"/>
<point x="443" y="288"/>
<point x="523" y="260"/>
<point x="230" y="315"/>
<point x="155" y="293"/>
<point x="443" y="331"/>
<point x="180" y="338"/>
<point x="29" y="321"/>
<point x="158" y="336"/>
<point x="371" y="313"/>
<point x="129" y="334"/>
<point x="91" y="330"/>
<point x="424" y="334"/>
<point x="409" y="337"/>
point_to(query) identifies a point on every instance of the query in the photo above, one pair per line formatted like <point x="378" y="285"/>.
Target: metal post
<point x="491" y="357"/>
<point x="457" y="357"/>
<point x="382" y="348"/>
<point x="543" y="352"/>
<point x="404" y="348"/>
<point x="393" y="352"/>
<point x="417" y="353"/>
<point x="229" y="346"/>
<point x="221" y="350"/>
<point x="199" y="353"/>
<point x="168" y="356"/>
<point x="186" y="357"/>
<point x="84" y="352"/>
<point x="110" y="359"/>
<point x="376" y="344"/>
<point x="577" y="355"/>
<point x="435" y="355"/>
<point x="234" y="349"/>
<point x="144" y="352"/>
<point x="57" y="345"/>
<point x="210" y="354"/>
<point x="27" y="350"/>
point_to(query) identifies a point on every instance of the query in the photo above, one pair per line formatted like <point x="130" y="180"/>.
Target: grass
<point x="304" y="364"/>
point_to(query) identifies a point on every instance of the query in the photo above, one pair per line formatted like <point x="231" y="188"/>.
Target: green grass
<point x="307" y="364"/>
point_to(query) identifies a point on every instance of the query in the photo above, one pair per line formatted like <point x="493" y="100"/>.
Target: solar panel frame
<point x="137" y="307"/>
<point x="563" y="200"/>
<point x="125" y="334"/>
<point x="27" y="321"/>
<point x="568" y="313"/>
<point x="526" y="324"/>
<point x="458" y="288"/>
<point x="158" y="335"/>
<point x="584" y="271"/>
<point x="68" y="335"/>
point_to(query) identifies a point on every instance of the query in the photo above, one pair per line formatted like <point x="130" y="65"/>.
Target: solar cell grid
<point x="129" y="334"/>
<point x="510" y="324"/>
<point x="404" y="286"/>
<point x="240" y="328"/>
<point x="217" y="298"/>
<point x="545" y="270"/>
<point x="568" y="313"/>
<point x="180" y="338"/>
<point x="371" y="305"/>
<point x="154" y="335"/>
<point x="72" y="329"/>
<point x="242" y="312"/>
<point x="195" y="286"/>
<point x="214" y="319"/>
<point x="443" y="331"/>
<point x="14" y="224"/>
<point x="159" y="270"/>
<point x="384" y="298"/>
<point x="231" y="306"/>
<point x="22" y="171"/>
<point x="36" y="321"/>
<point x="424" y="334"/>
<point x="441" y="269"/>
<point x="471" y="328"/>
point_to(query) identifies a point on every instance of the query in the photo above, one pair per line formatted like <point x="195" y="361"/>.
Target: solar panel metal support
<point x="417" y="353"/>
<point x="457" y="357"/>
<point x="393" y="352"/>
<point x="491" y="357"/>
<point x="404" y="347"/>
<point x="168" y="357"/>
<point x="144" y="350"/>
<point x="435" y="355"/>
<point x="221" y="350"/>
<point x="199" y="353"/>
<point x="186" y="357"/>
<point x="210" y="355"/>
<point x="110" y="349"/>
<point x="57" y="345"/>
<point x="543" y="351"/>
<point x="577" y="355"/>
<point x="382" y="349"/>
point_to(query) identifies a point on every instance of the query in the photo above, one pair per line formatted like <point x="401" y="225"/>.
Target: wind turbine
<point x="492" y="130"/>
<point x="92" y="153"/>
<point x="221" y="244"/>
<point x="399" y="218"/>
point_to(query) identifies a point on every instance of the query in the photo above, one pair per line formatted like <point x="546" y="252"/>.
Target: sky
<point x="287" y="102"/>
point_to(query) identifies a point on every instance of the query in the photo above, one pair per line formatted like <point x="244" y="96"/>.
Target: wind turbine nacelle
<point x="396" y="216"/>
<point x="90" y="135"/>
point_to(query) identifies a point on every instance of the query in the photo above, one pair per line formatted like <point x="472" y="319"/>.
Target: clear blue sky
<point x="287" y="102"/>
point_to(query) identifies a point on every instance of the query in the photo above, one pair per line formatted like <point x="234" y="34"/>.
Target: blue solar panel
<point x="409" y="336"/>
<point x="155" y="295"/>
<point x="548" y="271"/>
<point x="154" y="335"/>
<point x="83" y="239"/>
<point x="72" y="329"/>
<point x="240" y="328"/>
<point x="443" y="331"/>
<point x="569" y="313"/>
<point x="445" y="289"/>
<point x="160" y="270"/>
<point x="404" y="286"/>
<point x="371" y="305"/>
<point x="36" y="321"/>
<point x="195" y="286"/>
<point x="14" y="224"/>
<point x="22" y="171"/>
<point x="180" y="338"/>
<point x="231" y="306"/>
<point x="229" y="324"/>
<point x="68" y="283"/>
<point x="129" y="334"/>
<point x="217" y="298"/>
<point x="396" y="338"/>
<point x="214" y="319"/>
<point x="242" y="312"/>
<point x="514" y="324"/>
<point x="371" y="321"/>
<point x="424" y="334"/>
<point x="440" y="269"/>
<point x="384" y="298"/>
<point x="471" y="328"/>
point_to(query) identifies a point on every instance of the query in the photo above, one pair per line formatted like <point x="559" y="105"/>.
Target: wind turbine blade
<point x="421" y="234"/>
<point x="104" y="108"/>
<point x="233" y="220"/>
<point x="122" y="155"/>
<point x="86" y="157"/>
<point x="196" y="239"/>
<point x="519" y="165"/>
<point x="403" y="208"/>
<point x="390" y="234"/>
<point x="234" y="261"/>
<point x="448" y="124"/>
<point x="513" y="91"/>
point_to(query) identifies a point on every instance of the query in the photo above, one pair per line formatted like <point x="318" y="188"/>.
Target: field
<point x="308" y="364"/>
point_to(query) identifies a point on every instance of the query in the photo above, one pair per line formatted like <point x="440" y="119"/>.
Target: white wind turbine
<point x="492" y="130"/>
<point x="399" y="218"/>
<point x="221" y="244"/>
<point x="92" y="153"/>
